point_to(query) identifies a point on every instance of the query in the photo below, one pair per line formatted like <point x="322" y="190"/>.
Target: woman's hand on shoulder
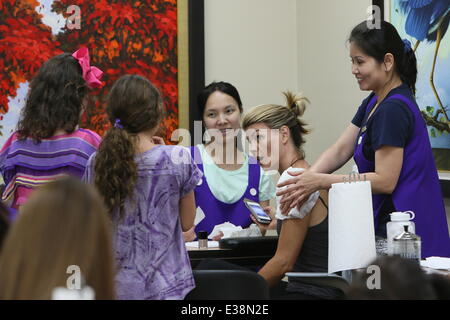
<point x="298" y="189"/>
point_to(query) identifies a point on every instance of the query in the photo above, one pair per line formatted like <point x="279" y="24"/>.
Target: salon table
<point x="243" y="251"/>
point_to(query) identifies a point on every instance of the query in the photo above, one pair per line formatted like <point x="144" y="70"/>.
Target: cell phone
<point x="257" y="211"/>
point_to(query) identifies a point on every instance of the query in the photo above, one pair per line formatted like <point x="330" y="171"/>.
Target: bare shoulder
<point x="320" y="210"/>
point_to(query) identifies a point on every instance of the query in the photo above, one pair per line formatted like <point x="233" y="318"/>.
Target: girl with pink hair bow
<point x="48" y="142"/>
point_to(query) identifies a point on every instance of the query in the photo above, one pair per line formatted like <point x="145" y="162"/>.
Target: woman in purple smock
<point x="230" y="175"/>
<point x="388" y="140"/>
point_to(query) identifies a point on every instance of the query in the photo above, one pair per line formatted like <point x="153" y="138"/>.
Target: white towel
<point x="229" y="230"/>
<point x="304" y="209"/>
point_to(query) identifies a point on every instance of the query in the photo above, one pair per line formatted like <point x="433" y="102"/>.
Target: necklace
<point x="299" y="158"/>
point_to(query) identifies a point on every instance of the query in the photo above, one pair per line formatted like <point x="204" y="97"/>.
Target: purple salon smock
<point x="417" y="187"/>
<point x="217" y="212"/>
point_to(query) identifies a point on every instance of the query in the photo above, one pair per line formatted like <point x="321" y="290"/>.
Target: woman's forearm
<point x="289" y="245"/>
<point x="378" y="184"/>
<point x="339" y="153"/>
<point x="330" y="161"/>
<point x="274" y="270"/>
<point x="388" y="165"/>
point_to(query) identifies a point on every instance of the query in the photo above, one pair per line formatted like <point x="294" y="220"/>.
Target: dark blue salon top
<point x="391" y="124"/>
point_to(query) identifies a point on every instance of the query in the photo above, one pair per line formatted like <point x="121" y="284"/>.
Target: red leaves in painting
<point x="25" y="43"/>
<point x="122" y="36"/>
<point x="128" y="37"/>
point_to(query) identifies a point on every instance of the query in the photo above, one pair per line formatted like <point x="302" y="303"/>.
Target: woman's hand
<point x="264" y="227"/>
<point x="299" y="189"/>
<point x="218" y="236"/>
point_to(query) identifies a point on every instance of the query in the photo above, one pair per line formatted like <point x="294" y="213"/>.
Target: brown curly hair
<point x="137" y="104"/>
<point x="54" y="100"/>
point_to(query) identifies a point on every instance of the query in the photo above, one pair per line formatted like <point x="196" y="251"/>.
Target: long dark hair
<point x="399" y="279"/>
<point x="54" y="100"/>
<point x="376" y="42"/>
<point x="136" y="103"/>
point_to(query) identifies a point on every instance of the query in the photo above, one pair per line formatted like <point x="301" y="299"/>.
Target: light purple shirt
<point x="151" y="255"/>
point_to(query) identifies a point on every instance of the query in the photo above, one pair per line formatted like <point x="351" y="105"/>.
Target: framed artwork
<point x="162" y="40"/>
<point x="425" y="24"/>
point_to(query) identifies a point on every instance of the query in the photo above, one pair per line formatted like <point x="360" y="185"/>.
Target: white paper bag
<point x="351" y="241"/>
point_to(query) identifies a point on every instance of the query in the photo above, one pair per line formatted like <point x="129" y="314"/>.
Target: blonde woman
<point x="62" y="227"/>
<point x="303" y="233"/>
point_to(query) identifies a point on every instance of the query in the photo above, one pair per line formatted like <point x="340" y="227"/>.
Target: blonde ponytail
<point x="296" y="103"/>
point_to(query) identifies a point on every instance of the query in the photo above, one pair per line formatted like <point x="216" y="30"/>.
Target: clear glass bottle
<point x="407" y="245"/>
<point x="202" y="239"/>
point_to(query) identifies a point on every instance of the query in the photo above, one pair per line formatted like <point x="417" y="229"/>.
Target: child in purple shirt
<point x="148" y="189"/>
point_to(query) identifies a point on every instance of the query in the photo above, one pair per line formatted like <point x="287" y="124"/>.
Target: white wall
<point x="324" y="69"/>
<point x="266" y="46"/>
<point x="252" y="44"/>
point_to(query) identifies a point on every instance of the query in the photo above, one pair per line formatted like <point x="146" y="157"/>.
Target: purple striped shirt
<point x="25" y="164"/>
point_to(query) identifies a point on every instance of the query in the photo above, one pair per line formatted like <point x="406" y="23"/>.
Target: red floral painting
<point x="123" y="37"/>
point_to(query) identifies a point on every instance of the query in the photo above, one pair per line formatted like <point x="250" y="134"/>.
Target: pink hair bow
<point x="91" y="75"/>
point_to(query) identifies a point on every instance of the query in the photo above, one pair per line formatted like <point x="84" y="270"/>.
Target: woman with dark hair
<point x="148" y="191"/>
<point x="64" y="226"/>
<point x="388" y="140"/>
<point x="399" y="279"/>
<point x="230" y="175"/>
<point x="48" y="143"/>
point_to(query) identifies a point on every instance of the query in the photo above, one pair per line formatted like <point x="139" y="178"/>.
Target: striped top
<point x="25" y="164"/>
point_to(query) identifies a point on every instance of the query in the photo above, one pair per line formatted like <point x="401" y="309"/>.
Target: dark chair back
<point x="228" y="285"/>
